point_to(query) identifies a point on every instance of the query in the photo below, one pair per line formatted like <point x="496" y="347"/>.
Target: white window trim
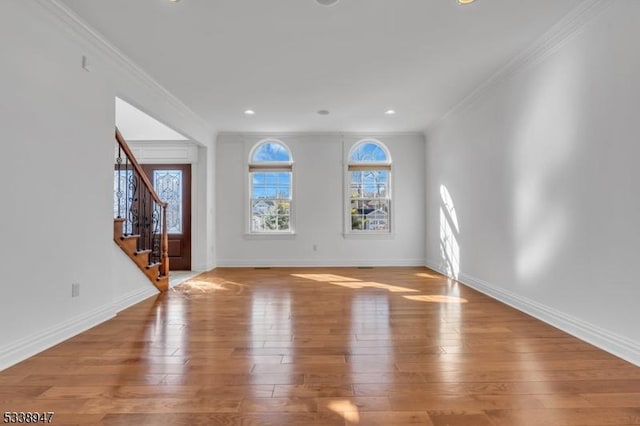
<point x="348" y="233"/>
<point x="250" y="147"/>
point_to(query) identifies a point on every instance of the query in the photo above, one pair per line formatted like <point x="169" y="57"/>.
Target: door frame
<point x="181" y="153"/>
<point x="187" y="207"/>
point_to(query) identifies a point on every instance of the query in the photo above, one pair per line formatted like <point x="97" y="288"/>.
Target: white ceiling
<point x="287" y="59"/>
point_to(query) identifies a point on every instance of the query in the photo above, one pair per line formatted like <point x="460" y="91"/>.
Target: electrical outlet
<point x="75" y="289"/>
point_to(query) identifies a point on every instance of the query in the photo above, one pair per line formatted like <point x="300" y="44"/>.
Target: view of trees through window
<point x="369" y="188"/>
<point x="270" y="171"/>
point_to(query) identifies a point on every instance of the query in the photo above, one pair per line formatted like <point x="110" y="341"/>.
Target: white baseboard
<point x="277" y="263"/>
<point x="133" y="297"/>
<point x="203" y="267"/>
<point x="617" y="345"/>
<point x="29" y="346"/>
<point x="436" y="265"/>
<point x="38" y="342"/>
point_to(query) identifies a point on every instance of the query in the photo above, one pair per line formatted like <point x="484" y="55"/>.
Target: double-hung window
<point x="369" y="189"/>
<point x="271" y="188"/>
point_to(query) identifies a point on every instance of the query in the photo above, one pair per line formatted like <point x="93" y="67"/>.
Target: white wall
<point x="542" y="169"/>
<point x="210" y="259"/>
<point x="56" y="221"/>
<point x="318" y="186"/>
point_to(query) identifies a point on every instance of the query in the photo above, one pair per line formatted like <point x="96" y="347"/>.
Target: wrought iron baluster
<point x="146" y="220"/>
<point x="128" y="225"/>
<point x="127" y="208"/>
<point x="142" y="207"/>
<point x="119" y="176"/>
<point x="134" y="203"/>
<point x="157" y="232"/>
<point x="150" y="208"/>
<point x="142" y="213"/>
<point x="147" y="244"/>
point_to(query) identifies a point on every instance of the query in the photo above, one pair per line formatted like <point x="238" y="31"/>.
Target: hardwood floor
<point x="325" y="346"/>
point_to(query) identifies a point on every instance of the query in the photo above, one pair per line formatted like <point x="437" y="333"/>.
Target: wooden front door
<point x="172" y="182"/>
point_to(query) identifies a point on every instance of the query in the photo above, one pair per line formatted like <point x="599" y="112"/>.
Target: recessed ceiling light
<point x="174" y="1"/>
<point x="327" y="2"/>
<point x="390" y="111"/>
<point x="249" y="112"/>
<point x="323" y="112"/>
<point x="465" y="1"/>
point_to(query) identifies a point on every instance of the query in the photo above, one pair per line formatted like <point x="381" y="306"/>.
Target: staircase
<point x="139" y="225"/>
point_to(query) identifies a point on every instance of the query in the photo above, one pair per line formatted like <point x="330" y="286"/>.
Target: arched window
<point x="369" y="188"/>
<point x="271" y="180"/>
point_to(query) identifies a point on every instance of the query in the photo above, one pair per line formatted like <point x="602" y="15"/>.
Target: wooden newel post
<point x="165" y="243"/>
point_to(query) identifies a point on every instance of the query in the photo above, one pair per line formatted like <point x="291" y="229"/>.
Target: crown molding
<point x="277" y="135"/>
<point x="74" y="25"/>
<point x="544" y="46"/>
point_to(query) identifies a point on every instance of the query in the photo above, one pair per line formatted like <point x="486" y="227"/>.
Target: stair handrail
<point x="132" y="159"/>
<point x="164" y="255"/>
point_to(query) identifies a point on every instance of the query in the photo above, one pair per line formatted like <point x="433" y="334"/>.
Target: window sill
<point x="368" y="236"/>
<point x="270" y="236"/>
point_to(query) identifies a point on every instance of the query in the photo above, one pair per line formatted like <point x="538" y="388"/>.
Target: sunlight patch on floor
<point x="203" y="285"/>
<point x="353" y="282"/>
<point x="427" y="275"/>
<point x="346" y="409"/>
<point x="437" y="298"/>
<point x="178" y="277"/>
<point x="324" y="277"/>
<point x="370" y="284"/>
<point x="210" y="286"/>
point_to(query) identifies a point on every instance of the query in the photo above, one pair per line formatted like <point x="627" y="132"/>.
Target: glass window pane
<point x="257" y="178"/>
<point x="357" y="222"/>
<point x="369" y="190"/>
<point x="168" y="186"/>
<point x="271" y="185"/>
<point x="261" y="206"/>
<point x="271" y="151"/>
<point x="368" y="152"/>
<point x="271" y="190"/>
<point x="285" y="192"/>
<point x="270" y="215"/>
<point x="374" y="184"/>
<point x="271" y="178"/>
<point x="284" y="207"/>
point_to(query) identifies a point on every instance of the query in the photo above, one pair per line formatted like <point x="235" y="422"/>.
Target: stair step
<point x="129" y="244"/>
<point x="141" y="258"/>
<point x="154" y="265"/>
<point x="162" y="283"/>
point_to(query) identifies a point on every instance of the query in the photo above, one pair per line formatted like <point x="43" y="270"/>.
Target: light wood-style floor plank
<point x="324" y="346"/>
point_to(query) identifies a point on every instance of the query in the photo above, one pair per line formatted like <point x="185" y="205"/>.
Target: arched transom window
<point x="271" y="180"/>
<point x="369" y="188"/>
